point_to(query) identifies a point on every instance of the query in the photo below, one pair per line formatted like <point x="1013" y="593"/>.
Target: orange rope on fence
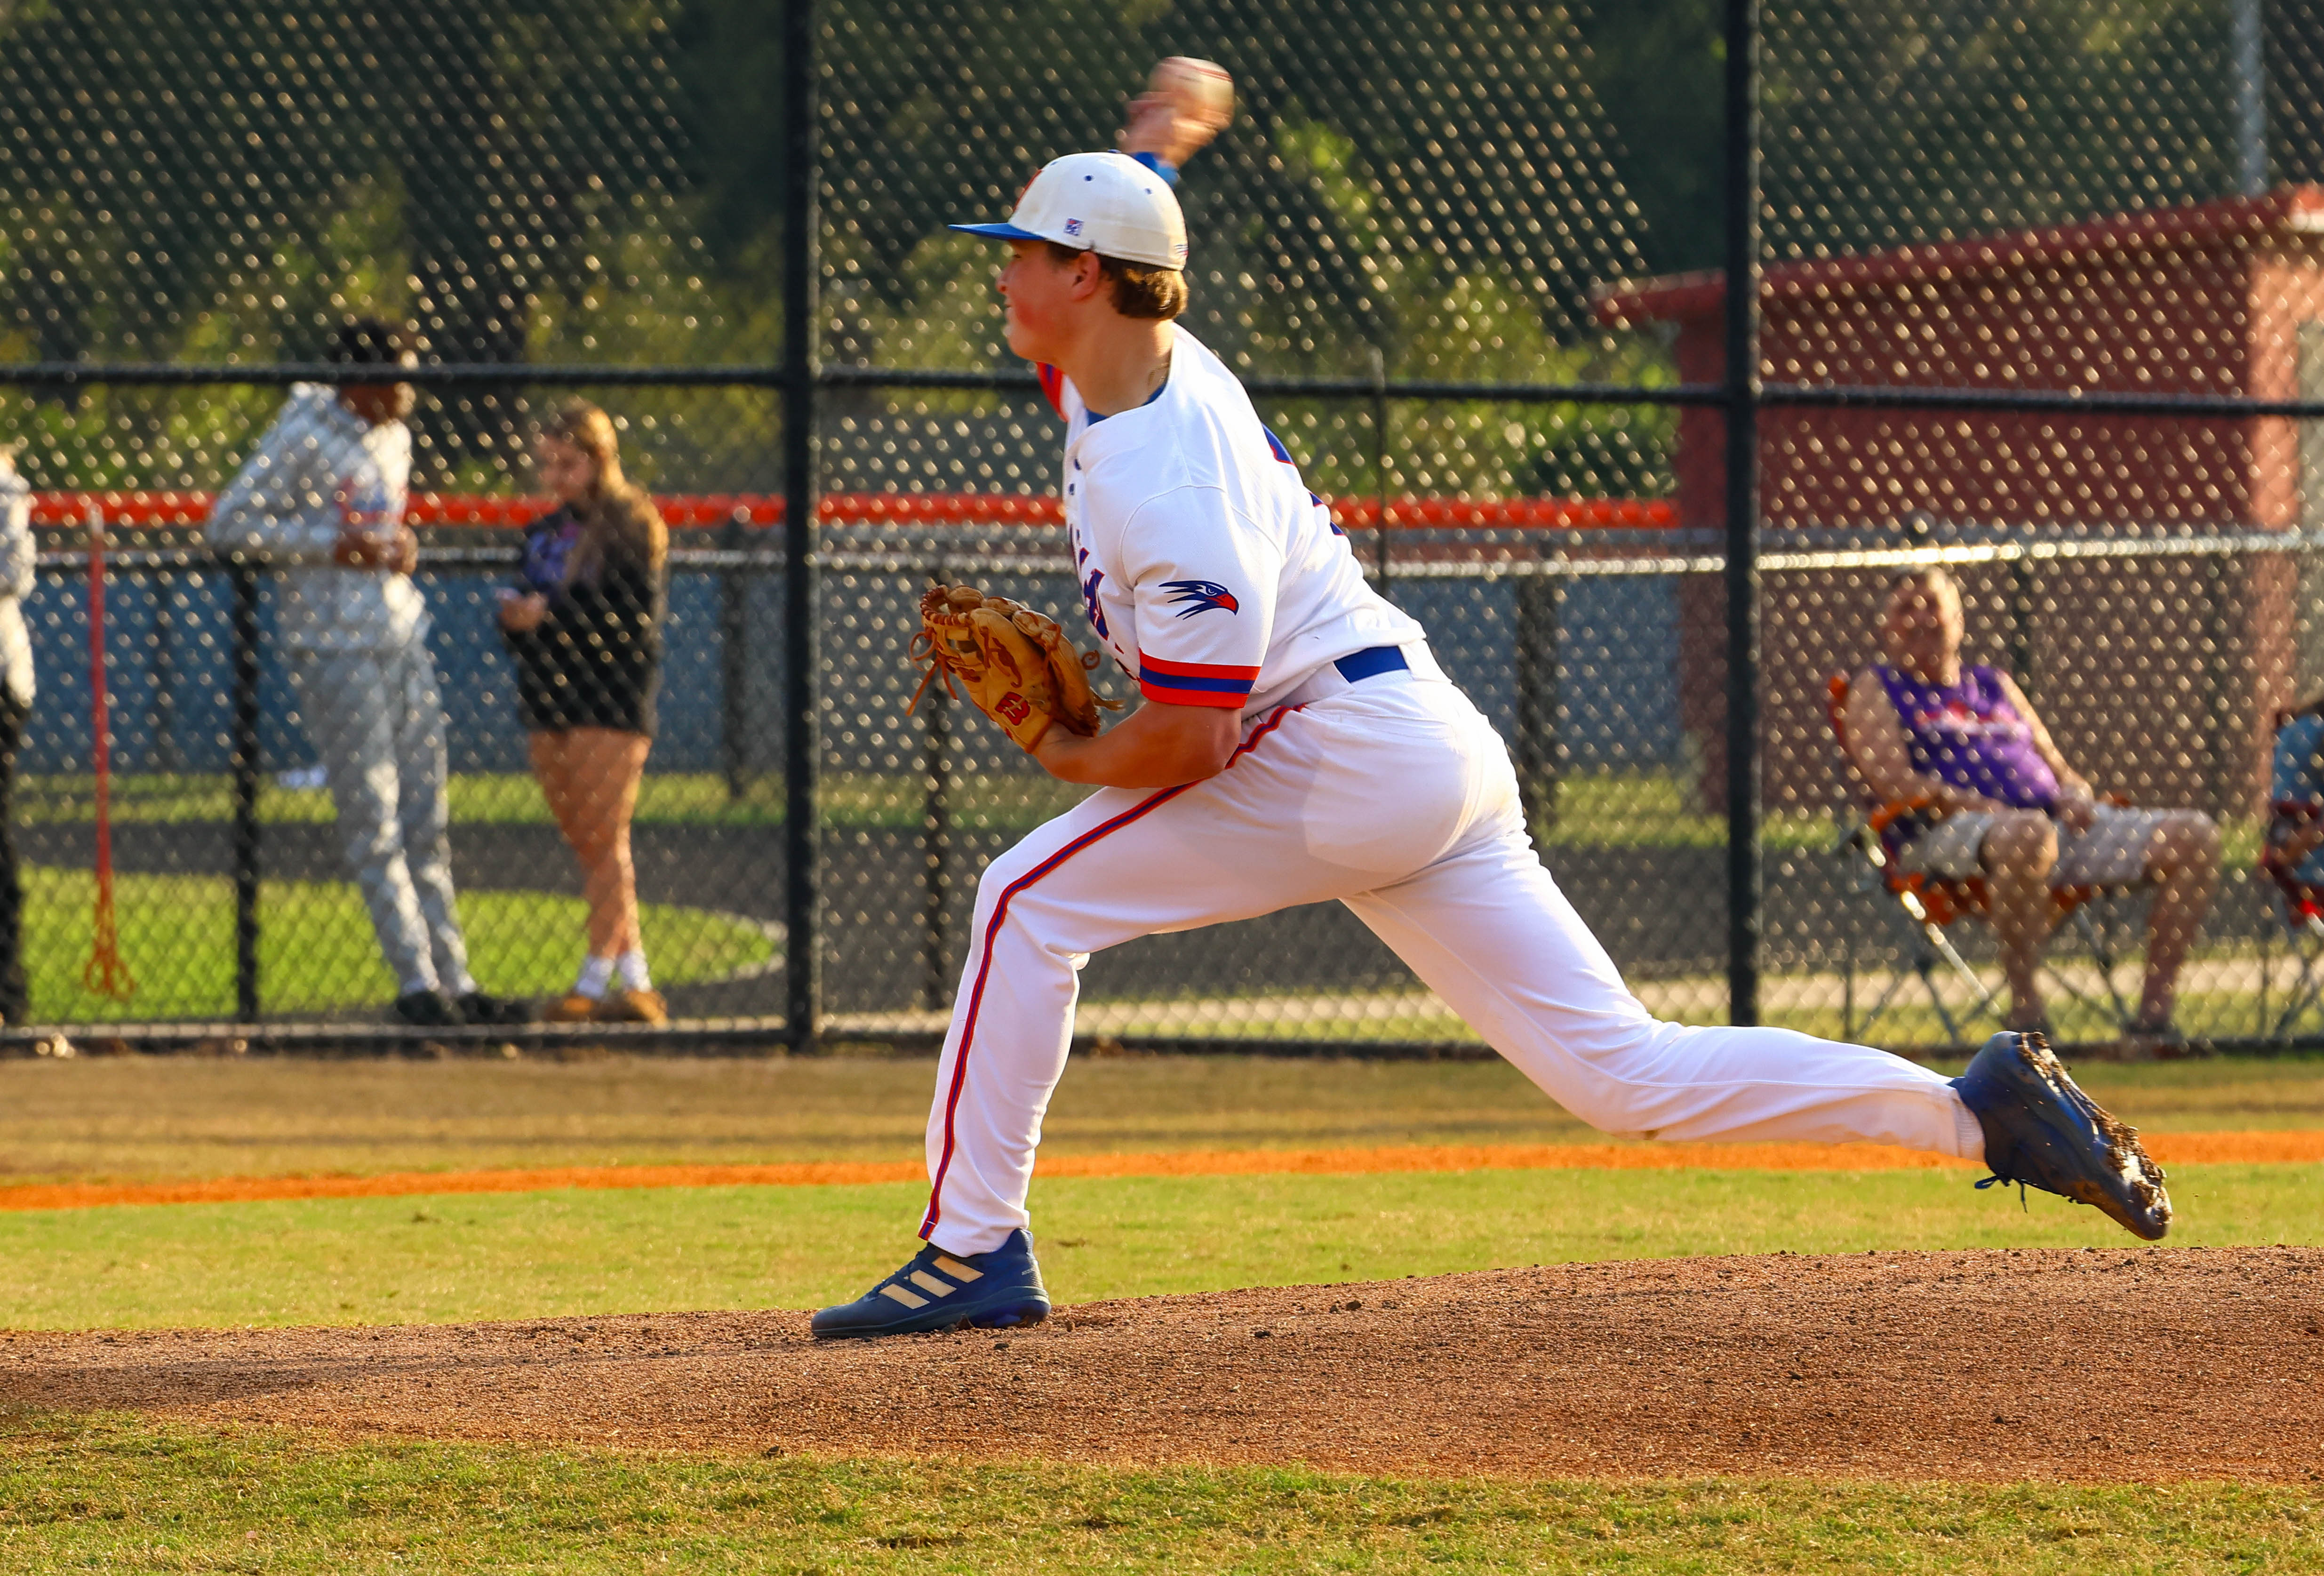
<point x="701" y="510"/>
<point x="105" y="973"/>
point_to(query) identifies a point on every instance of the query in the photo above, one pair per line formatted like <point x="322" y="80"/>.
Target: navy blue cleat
<point x="999" y="1290"/>
<point x="2041" y="1131"/>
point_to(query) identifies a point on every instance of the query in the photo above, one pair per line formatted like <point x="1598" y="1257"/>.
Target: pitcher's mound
<point x="2129" y="1364"/>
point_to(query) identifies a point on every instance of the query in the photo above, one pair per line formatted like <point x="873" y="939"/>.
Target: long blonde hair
<point x="618" y="510"/>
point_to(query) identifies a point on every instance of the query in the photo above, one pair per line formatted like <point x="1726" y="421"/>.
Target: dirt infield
<point x="2171" y="1149"/>
<point x="2134" y="1364"/>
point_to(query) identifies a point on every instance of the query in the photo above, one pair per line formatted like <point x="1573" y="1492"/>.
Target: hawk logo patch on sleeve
<point x="1201" y="594"/>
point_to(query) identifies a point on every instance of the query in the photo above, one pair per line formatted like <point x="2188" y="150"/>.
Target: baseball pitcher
<point x="1298" y="743"/>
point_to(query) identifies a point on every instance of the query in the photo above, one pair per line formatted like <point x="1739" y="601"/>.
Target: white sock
<point x="459" y="985"/>
<point x="631" y="966"/>
<point x="413" y="987"/>
<point x="1968" y="1133"/>
<point x="595" y="973"/>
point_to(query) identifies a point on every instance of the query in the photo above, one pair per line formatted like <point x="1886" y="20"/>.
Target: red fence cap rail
<point x="698" y="510"/>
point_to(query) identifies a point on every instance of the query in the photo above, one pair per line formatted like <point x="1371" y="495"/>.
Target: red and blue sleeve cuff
<point x="1194" y="684"/>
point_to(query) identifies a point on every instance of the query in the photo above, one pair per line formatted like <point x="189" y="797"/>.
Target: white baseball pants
<point x="1395" y="796"/>
<point x="377" y="720"/>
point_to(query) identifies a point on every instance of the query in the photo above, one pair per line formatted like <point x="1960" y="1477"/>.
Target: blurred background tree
<point x="1437" y="187"/>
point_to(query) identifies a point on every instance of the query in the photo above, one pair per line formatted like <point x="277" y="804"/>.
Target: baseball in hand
<point x="1198" y="90"/>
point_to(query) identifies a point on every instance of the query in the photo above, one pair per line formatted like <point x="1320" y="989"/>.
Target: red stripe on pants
<point x="992" y="929"/>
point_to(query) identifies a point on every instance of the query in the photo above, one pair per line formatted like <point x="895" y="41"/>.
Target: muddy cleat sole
<point x="1000" y="1290"/>
<point x="2042" y="1131"/>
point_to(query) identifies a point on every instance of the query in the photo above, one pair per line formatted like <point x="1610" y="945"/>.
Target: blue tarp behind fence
<point x="168" y="642"/>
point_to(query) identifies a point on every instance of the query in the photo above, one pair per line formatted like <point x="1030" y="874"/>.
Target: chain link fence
<point x="2032" y="292"/>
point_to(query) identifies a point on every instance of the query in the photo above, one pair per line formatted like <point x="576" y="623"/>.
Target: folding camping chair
<point x="2296" y="802"/>
<point x="1925" y="907"/>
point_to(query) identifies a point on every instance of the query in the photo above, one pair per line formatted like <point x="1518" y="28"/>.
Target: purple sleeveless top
<point x="1967" y="736"/>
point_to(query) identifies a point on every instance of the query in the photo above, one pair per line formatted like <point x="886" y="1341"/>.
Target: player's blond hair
<point x="1151" y="294"/>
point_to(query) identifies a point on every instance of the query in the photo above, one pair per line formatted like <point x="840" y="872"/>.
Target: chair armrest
<point x="1898" y="809"/>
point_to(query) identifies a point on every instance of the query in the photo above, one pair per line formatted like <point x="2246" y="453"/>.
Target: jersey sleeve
<point x="275" y="502"/>
<point x="1203" y="581"/>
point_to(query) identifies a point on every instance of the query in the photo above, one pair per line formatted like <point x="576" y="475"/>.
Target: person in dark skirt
<point x="584" y="627"/>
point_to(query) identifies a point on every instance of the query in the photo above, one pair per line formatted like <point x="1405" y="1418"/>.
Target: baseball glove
<point x="1016" y="665"/>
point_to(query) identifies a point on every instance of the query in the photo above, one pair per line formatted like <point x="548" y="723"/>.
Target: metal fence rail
<point x="2048" y="279"/>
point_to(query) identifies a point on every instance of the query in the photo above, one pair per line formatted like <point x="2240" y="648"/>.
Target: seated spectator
<point x="2003" y="804"/>
<point x="2296" y="831"/>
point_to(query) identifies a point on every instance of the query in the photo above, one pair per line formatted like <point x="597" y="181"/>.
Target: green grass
<point x="1632" y="809"/>
<point x="316" y="949"/>
<point x="106" y="1493"/>
<point x="454" y="1258"/>
<point x="1658" y="809"/>
<point x="1635" y="808"/>
<point x="1012" y="802"/>
<point x="168" y="1117"/>
<point x="1910" y="1025"/>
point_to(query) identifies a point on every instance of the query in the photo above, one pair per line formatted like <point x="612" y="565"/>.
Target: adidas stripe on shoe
<point x="937" y="1290"/>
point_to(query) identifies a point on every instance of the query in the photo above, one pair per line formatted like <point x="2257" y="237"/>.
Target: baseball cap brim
<point x="1002" y="232"/>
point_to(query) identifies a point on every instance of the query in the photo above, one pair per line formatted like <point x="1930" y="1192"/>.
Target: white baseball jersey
<point x="1207" y="566"/>
<point x="320" y="469"/>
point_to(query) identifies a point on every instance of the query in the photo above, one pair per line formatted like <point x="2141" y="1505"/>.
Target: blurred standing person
<point x="324" y="491"/>
<point x="18" y="560"/>
<point x="585" y="628"/>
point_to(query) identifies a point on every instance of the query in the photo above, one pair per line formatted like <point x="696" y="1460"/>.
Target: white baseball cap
<point x="1105" y="203"/>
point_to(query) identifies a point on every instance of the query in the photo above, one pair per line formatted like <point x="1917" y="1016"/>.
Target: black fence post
<point x="1541" y="698"/>
<point x="935" y="837"/>
<point x="1379" y="467"/>
<point x="163" y="668"/>
<point x="734" y="657"/>
<point x="802" y="960"/>
<point x="245" y="766"/>
<point x="1744" y="874"/>
<point x="2220" y="761"/>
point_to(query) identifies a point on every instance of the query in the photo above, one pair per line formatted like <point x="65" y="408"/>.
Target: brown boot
<point x="571" y="1007"/>
<point x="632" y="1007"/>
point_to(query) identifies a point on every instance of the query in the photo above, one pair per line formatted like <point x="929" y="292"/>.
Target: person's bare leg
<point x="2020" y="851"/>
<point x="561" y="764"/>
<point x="548" y="752"/>
<point x="2183" y="862"/>
<point x="607" y="767"/>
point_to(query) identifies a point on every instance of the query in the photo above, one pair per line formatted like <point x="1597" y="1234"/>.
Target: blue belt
<point x="1369" y="663"/>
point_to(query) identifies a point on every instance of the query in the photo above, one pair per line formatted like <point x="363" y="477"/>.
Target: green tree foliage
<point x="1428" y="185"/>
<point x="1891" y="122"/>
<point x="1659" y="71"/>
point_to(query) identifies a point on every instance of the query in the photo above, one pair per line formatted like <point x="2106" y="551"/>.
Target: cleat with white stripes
<point x="999" y="1290"/>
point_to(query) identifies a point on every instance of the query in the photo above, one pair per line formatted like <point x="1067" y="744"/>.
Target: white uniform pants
<point x="377" y="720"/>
<point x="1395" y="796"/>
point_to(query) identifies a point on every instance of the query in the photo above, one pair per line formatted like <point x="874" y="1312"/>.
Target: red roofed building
<point x="2159" y="674"/>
